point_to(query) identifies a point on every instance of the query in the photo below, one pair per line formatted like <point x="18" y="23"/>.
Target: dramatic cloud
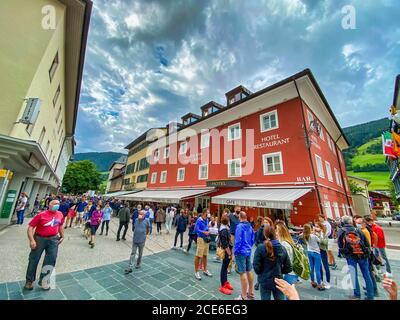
<point x="150" y="62"/>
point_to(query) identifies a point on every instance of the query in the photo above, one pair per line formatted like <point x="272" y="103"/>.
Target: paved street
<point x="87" y="274"/>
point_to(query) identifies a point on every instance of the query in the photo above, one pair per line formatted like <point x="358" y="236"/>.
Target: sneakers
<point x="137" y="266"/>
<point x="207" y="273"/>
<point x="320" y="287"/>
<point x="45" y="286"/>
<point x="118" y="240"/>
<point x="228" y="286"/>
<point x="128" y="271"/>
<point x="173" y="248"/>
<point x="225" y="290"/>
<point x="250" y="296"/>
<point x="197" y="275"/>
<point x="327" y="285"/>
<point x="314" y="284"/>
<point x="28" y="286"/>
<point x="92" y="245"/>
<point x="241" y="298"/>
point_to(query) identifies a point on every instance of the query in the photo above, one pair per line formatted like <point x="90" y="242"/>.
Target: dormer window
<point x="237" y="94"/>
<point x="210" y="108"/>
<point x="190" y="118"/>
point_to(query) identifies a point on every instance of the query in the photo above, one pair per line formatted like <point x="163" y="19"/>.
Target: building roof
<point x="361" y="179"/>
<point x="120" y="160"/>
<point x="191" y="115"/>
<point x="239" y="88"/>
<point x="140" y="139"/>
<point x="211" y="104"/>
<point x="306" y="72"/>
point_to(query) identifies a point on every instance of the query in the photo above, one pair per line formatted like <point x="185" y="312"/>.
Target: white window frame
<point x="320" y="166"/>
<point x="177" y="174"/>
<point x="154" y="177"/>
<point x="229" y="132"/>
<point x="337" y="178"/>
<point x="156" y="155"/>
<point x="344" y="209"/>
<point x="202" y="166"/>
<point x="329" y="142"/>
<point x="203" y="137"/>
<point x="321" y="134"/>
<point x="310" y="117"/>
<point x="166" y="154"/>
<point x="265" y="166"/>
<point x="273" y="112"/>
<point x="336" y="209"/>
<point x="329" y="171"/>
<point x="163" y="175"/>
<point x="328" y="209"/>
<point x="184" y="143"/>
<point x="229" y="167"/>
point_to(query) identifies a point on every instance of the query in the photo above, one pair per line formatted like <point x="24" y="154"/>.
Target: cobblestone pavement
<point x="167" y="275"/>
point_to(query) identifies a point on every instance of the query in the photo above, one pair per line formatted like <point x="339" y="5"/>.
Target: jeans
<point x="266" y="293"/>
<point x="325" y="264"/>
<point x="151" y="225"/>
<point x="125" y="225"/>
<point x="135" y="247"/>
<point x="224" y="269"/>
<point x="364" y="267"/>
<point x="176" y="238"/>
<point x="20" y="216"/>
<point x="50" y="246"/>
<point x="290" y="278"/>
<point x="105" y="222"/>
<point x="382" y="252"/>
<point x="159" y="227"/>
<point x="315" y="264"/>
<point x="371" y="270"/>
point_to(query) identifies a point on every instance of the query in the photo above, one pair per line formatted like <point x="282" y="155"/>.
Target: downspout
<point x="341" y="173"/>
<point x="308" y="146"/>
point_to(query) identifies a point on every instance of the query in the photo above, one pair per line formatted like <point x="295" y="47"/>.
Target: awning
<point x="165" y="196"/>
<point x="275" y="198"/>
<point x="119" y="193"/>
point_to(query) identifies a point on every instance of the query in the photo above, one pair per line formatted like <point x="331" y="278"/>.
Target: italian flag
<point x="387" y="143"/>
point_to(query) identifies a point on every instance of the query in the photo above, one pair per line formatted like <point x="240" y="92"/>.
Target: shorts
<point x="331" y="243"/>
<point x="79" y="215"/>
<point x="71" y="214"/>
<point x="202" y="248"/>
<point x="93" y="229"/>
<point x="87" y="225"/>
<point x="243" y="263"/>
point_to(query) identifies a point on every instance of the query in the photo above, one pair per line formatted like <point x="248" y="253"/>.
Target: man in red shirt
<point x="381" y="243"/>
<point x="45" y="233"/>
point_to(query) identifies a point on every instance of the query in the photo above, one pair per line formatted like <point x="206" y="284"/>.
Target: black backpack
<point x="353" y="244"/>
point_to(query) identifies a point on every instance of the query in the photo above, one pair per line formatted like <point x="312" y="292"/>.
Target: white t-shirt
<point x="22" y="203"/>
<point x="328" y="228"/>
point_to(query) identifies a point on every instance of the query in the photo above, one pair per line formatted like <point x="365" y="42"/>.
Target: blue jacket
<point x="181" y="224"/>
<point x="135" y="215"/>
<point x="200" y="227"/>
<point x="244" y="239"/>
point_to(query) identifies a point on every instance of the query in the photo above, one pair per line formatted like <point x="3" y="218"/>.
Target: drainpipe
<point x="341" y="173"/>
<point x="309" y="147"/>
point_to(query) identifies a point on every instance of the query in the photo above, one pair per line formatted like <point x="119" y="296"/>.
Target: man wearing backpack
<point x="355" y="248"/>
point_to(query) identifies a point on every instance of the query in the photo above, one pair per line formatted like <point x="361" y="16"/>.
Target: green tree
<point x="354" y="188"/>
<point x="80" y="177"/>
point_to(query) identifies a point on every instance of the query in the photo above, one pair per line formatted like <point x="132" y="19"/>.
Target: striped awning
<point x="274" y="198"/>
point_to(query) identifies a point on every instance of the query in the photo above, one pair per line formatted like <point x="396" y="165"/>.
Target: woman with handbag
<point x="323" y="246"/>
<point x="224" y="252"/>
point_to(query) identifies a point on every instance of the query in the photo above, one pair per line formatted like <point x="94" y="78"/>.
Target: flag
<point x="387" y="143"/>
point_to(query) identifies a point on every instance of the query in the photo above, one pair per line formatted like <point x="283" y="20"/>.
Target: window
<point x="328" y="209"/>
<point x="235" y="168"/>
<point x="56" y="95"/>
<point x="29" y="128"/>
<point x="130" y="168"/>
<point x="142" y="164"/>
<point x="344" y="209"/>
<point x="205" y="140"/>
<point x="183" y="148"/>
<point x="338" y="178"/>
<point x="272" y="163"/>
<point x="58" y="114"/>
<point x="53" y="67"/>
<point x="142" y="178"/>
<point x="336" y="209"/>
<point x="328" y="171"/>
<point x="234" y="132"/>
<point x="166" y="152"/>
<point x="320" y="168"/>
<point x="47" y="146"/>
<point x="310" y="117"/>
<point x="127" y="181"/>
<point x="42" y="135"/>
<point x="156" y="155"/>
<point x="154" y="177"/>
<point x="163" y="177"/>
<point x="59" y="128"/>
<point x="269" y="121"/>
<point x="321" y="134"/>
<point x="181" y="174"/>
<point x="203" y="172"/>
<point x="329" y="142"/>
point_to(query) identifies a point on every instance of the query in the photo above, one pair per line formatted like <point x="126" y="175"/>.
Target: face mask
<point x="359" y="225"/>
<point x="55" y="207"/>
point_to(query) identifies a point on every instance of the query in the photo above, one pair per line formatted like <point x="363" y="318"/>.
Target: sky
<point x="149" y="62"/>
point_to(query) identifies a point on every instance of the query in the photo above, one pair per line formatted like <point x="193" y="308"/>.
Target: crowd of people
<point x="277" y="255"/>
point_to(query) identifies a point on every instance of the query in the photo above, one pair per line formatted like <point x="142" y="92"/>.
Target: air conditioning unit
<point x="31" y="110"/>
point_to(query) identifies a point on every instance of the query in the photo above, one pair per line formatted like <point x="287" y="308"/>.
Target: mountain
<point x="364" y="157"/>
<point x="102" y="160"/>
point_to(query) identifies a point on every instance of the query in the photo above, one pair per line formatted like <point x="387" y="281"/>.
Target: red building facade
<point x="280" y="147"/>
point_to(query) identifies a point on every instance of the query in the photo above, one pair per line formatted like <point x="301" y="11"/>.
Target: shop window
<point x="163" y="177"/>
<point x="180" y="174"/>
<point x="235" y="168"/>
<point x="320" y="168"/>
<point x="234" y="132"/>
<point x="203" y="172"/>
<point x="328" y="171"/>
